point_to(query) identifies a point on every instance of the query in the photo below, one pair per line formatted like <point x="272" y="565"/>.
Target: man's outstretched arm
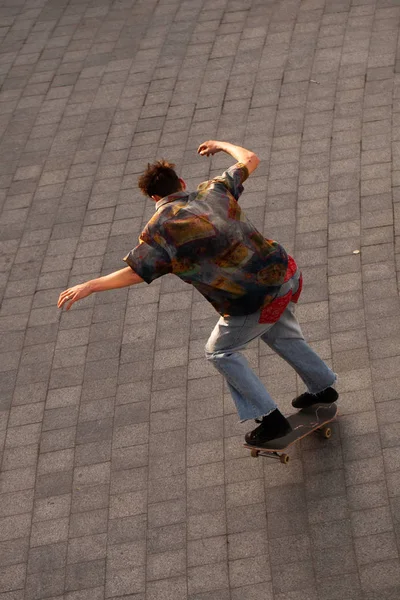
<point x="113" y="281"/>
<point x="246" y="157"/>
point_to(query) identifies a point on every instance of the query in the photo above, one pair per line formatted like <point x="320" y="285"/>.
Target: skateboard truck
<point x="282" y="457"/>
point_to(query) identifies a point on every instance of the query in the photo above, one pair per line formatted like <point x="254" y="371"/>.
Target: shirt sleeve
<point x="149" y="260"/>
<point x="233" y="179"/>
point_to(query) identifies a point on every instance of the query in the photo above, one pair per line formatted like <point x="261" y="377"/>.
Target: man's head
<point x="160" y="180"/>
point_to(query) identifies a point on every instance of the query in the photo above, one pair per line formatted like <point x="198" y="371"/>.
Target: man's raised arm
<point x="246" y="157"/>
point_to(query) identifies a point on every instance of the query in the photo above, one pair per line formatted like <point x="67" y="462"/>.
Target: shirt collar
<point x="171" y="198"/>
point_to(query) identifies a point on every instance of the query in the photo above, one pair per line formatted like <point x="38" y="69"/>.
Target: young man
<point x="204" y="238"/>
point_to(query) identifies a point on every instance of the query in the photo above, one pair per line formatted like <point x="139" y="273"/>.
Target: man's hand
<point x="71" y="295"/>
<point x="246" y="157"/>
<point x="209" y="148"/>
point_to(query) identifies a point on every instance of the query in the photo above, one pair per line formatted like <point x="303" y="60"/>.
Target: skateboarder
<point x="204" y="238"/>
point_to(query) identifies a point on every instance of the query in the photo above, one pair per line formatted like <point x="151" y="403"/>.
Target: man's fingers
<point x="61" y="300"/>
<point x="70" y="304"/>
<point x="205" y="148"/>
<point x="64" y="297"/>
<point x="204" y="151"/>
<point x="71" y="299"/>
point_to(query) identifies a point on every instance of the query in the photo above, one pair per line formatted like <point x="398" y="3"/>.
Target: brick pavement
<point x="123" y="474"/>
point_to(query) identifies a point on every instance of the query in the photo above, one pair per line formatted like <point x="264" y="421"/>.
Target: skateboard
<point x="303" y="422"/>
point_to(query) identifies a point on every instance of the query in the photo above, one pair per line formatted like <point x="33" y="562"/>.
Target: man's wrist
<point x="224" y="147"/>
<point x="92" y="285"/>
<point x="235" y="151"/>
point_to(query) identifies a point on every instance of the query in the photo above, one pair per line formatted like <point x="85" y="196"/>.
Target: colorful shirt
<point x="204" y="238"/>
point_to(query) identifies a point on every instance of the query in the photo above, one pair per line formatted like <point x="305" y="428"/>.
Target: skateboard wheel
<point x="254" y="453"/>
<point x="284" y="458"/>
<point x="327" y="432"/>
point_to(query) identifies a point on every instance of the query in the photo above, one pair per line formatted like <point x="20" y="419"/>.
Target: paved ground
<point x="123" y="474"/>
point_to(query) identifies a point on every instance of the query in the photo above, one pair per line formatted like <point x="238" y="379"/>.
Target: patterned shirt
<point x="206" y="240"/>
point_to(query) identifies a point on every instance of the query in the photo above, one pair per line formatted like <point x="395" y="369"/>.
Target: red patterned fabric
<point x="273" y="311"/>
<point x="291" y="268"/>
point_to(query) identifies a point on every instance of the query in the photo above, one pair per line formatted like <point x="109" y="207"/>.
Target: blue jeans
<point x="232" y="334"/>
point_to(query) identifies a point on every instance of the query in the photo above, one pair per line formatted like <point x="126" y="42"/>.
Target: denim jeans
<point x="232" y="334"/>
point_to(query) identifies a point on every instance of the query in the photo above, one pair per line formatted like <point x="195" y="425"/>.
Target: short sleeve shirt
<point x="206" y="240"/>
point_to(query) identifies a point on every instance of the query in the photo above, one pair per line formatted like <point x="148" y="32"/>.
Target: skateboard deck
<point x="303" y="422"/>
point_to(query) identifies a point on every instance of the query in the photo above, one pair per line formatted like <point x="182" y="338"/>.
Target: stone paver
<point x="122" y="470"/>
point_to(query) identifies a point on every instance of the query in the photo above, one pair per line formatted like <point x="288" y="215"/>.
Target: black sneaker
<point x="326" y="397"/>
<point x="273" y="426"/>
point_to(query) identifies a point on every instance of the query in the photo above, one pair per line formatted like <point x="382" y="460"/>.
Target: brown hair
<point x="159" y="179"/>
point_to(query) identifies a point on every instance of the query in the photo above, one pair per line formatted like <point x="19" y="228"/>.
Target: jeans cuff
<point x="258" y="417"/>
